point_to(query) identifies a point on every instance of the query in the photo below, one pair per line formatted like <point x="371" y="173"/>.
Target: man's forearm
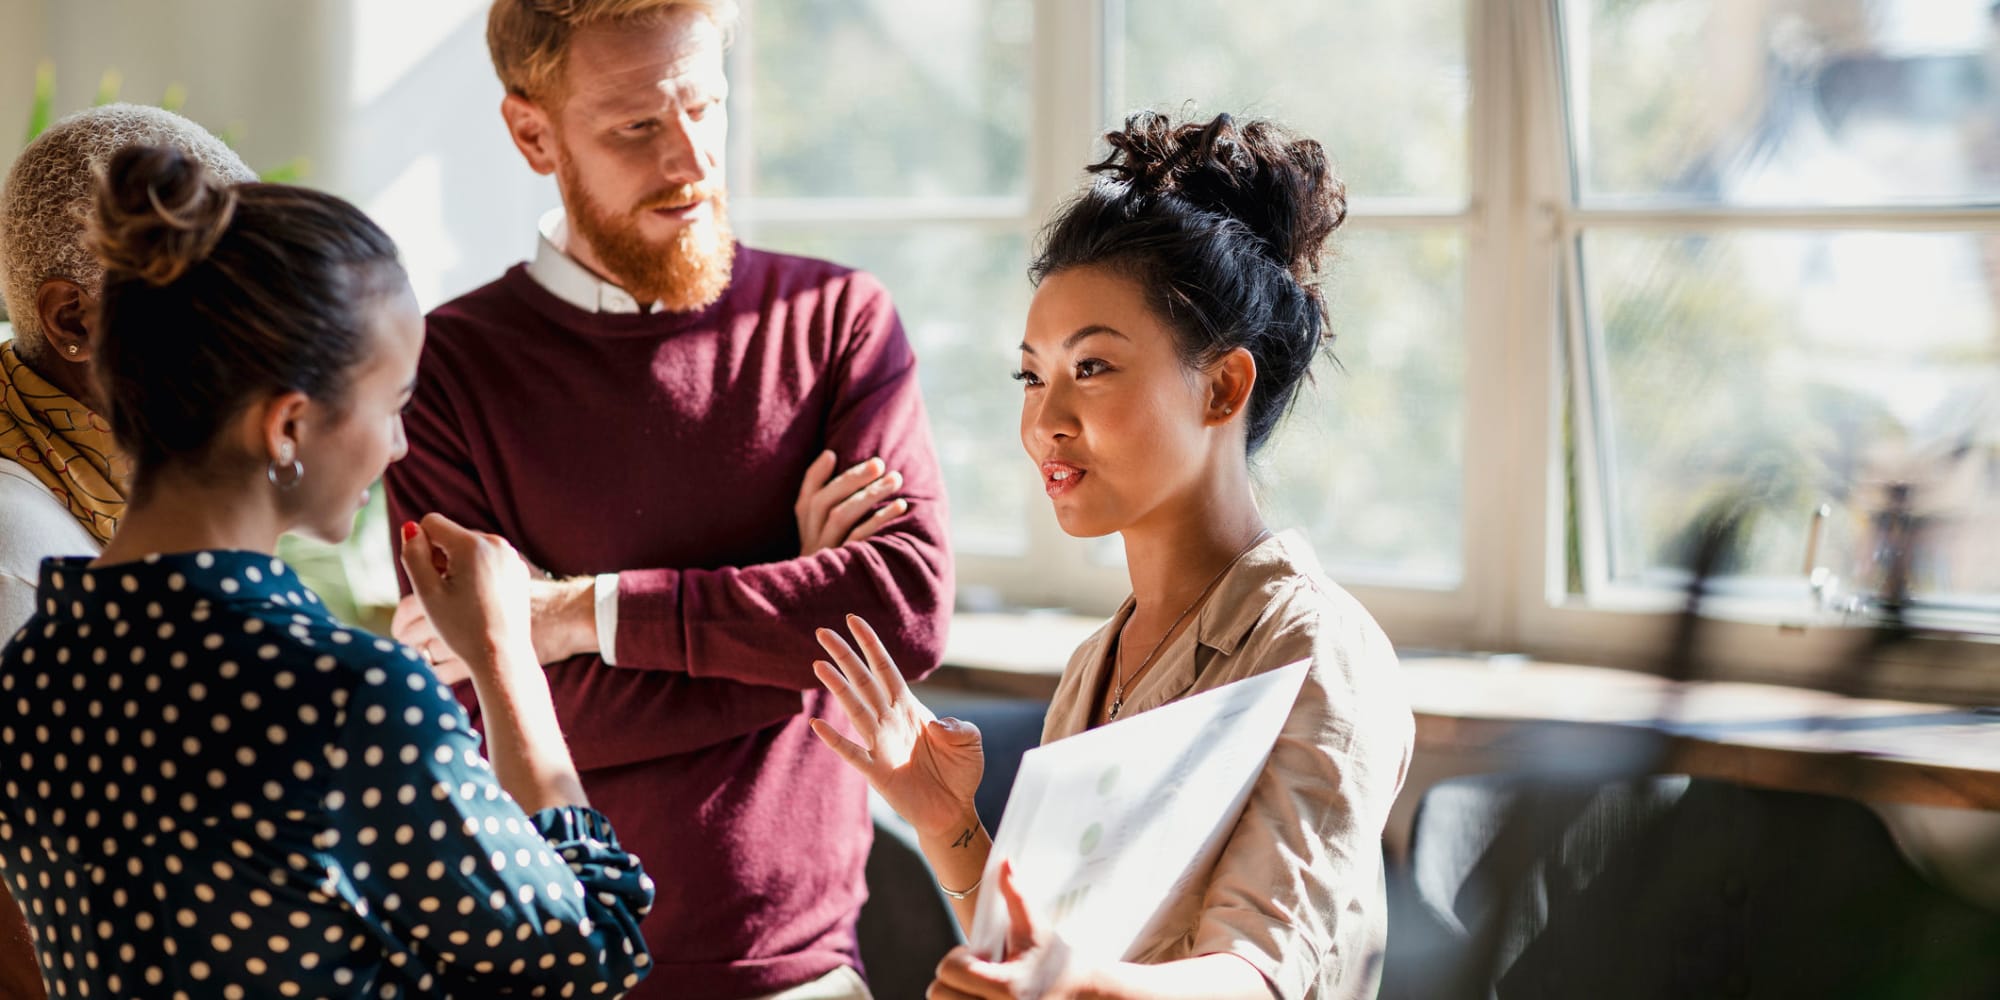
<point x="754" y="624"/>
<point x="565" y="617"/>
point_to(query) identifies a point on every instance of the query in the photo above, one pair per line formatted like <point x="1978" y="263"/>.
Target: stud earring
<point x="72" y="350"/>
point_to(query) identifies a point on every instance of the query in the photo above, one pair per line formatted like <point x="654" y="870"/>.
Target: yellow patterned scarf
<point x="63" y="444"/>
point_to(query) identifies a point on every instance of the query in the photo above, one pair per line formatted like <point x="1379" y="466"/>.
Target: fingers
<point x="409" y="615"/>
<point x="451" y="670"/>
<point x="941" y="991"/>
<point x="419" y="634"/>
<point x="880" y="664"/>
<point x="444" y="531"/>
<point x="868" y="688"/>
<point x="419" y="559"/>
<point x="962" y="974"/>
<point x="815" y="480"/>
<point x="853" y="753"/>
<point x="456" y="547"/>
<point x="809" y="514"/>
<point x="1021" y="930"/>
<point x="849" y="483"/>
<point x="413" y="628"/>
<point x="830" y="512"/>
<point x="880" y="519"/>
<point x="852" y="508"/>
<point x="843" y="691"/>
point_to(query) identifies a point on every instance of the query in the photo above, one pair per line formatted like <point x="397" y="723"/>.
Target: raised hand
<point x="834" y="510"/>
<point x="926" y="768"/>
<point x="473" y="589"/>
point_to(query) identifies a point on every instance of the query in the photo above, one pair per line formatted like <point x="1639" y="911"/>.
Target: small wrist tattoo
<point x="964" y="839"/>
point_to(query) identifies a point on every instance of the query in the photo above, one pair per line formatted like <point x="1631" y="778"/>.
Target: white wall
<point x="422" y="146"/>
<point x="393" y="103"/>
<point x="20" y="47"/>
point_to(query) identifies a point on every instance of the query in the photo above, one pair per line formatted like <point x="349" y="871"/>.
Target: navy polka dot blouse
<point x="214" y="789"/>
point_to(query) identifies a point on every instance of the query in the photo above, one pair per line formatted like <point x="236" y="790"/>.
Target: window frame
<point x="1743" y="638"/>
<point x="1521" y="224"/>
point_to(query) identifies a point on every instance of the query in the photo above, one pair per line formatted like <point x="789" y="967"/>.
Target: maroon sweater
<point x="669" y="448"/>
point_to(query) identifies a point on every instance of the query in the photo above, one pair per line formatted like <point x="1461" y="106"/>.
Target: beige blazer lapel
<point x="1169" y="679"/>
<point x="1240" y="599"/>
<point x="1070" y="710"/>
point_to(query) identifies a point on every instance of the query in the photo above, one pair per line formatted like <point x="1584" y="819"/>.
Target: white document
<point x="1105" y="826"/>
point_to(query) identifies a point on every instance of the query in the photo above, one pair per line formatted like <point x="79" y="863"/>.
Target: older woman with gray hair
<point x="62" y="485"/>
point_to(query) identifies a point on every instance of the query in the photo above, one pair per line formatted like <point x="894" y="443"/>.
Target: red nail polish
<point x="409" y="530"/>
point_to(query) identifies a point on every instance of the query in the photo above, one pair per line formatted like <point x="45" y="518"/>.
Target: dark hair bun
<point x="1223" y="224"/>
<point x="158" y="214"/>
<point x="1277" y="184"/>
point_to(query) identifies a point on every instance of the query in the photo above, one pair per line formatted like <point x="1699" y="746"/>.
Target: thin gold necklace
<point x="1118" y="655"/>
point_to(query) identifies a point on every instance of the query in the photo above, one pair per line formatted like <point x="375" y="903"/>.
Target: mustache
<point x="681" y="195"/>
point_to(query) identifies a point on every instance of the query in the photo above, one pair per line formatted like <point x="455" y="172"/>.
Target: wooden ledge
<point x="1567" y="717"/>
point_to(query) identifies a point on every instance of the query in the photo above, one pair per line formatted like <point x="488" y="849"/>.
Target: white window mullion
<point x="1524" y="258"/>
<point x="1489" y="220"/>
<point x="1069" y="111"/>
<point x="1596" y="465"/>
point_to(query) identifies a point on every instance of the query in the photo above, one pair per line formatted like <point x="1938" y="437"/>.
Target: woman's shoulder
<point x="1305" y="615"/>
<point x="1287" y="594"/>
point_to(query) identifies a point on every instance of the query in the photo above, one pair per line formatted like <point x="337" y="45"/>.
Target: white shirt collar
<point x="567" y="279"/>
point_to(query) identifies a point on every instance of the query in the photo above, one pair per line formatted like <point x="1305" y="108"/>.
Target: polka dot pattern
<point x="243" y="797"/>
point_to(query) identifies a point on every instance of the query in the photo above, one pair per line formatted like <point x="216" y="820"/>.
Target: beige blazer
<point x="1297" y="891"/>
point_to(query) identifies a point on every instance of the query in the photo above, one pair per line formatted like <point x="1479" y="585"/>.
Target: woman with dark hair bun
<point x="212" y="787"/>
<point x="1175" y="317"/>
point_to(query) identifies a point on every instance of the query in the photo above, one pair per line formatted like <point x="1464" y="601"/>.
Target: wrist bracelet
<point x="974" y="887"/>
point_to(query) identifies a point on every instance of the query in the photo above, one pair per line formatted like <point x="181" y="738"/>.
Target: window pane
<point x="1791" y="369"/>
<point x="1785" y="102"/>
<point x="1382" y="85"/>
<point x="1370" y="462"/>
<point x="965" y="323"/>
<point x="885" y="98"/>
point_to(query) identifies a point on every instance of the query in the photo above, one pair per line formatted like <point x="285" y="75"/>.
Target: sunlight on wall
<point x="398" y="36"/>
<point x="411" y="208"/>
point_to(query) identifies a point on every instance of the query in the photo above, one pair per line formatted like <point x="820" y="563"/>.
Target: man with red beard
<point x="654" y="415"/>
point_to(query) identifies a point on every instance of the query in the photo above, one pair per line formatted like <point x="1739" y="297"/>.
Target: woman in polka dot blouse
<point x="212" y="788"/>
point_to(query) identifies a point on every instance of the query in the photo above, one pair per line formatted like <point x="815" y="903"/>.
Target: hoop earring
<point x="298" y="473"/>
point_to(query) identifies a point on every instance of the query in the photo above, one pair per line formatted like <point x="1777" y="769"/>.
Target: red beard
<point x="683" y="274"/>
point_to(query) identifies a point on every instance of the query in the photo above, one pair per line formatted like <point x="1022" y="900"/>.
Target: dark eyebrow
<point x="1092" y="330"/>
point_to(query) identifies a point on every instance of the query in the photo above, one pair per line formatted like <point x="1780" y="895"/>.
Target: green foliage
<point x="355" y="578"/>
<point x="291" y="171"/>
<point x="41" y="115"/>
<point x="108" y="87"/>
